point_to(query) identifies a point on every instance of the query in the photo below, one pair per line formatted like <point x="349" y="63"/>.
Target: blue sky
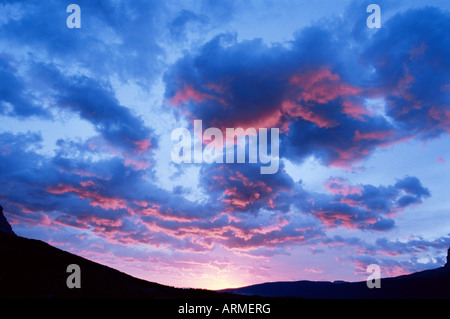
<point x="87" y="114"/>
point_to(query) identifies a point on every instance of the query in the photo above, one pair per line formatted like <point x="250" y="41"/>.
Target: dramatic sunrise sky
<point x="86" y="117"/>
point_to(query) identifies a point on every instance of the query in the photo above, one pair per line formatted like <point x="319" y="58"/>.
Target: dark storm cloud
<point x="412" y="70"/>
<point x="248" y="84"/>
<point x="316" y="87"/>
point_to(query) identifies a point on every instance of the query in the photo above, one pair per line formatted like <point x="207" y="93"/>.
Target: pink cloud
<point x="379" y="135"/>
<point x="442" y="116"/>
<point x="321" y="86"/>
<point x="142" y="146"/>
<point x="137" y="164"/>
<point x="293" y="109"/>
<point x="389" y="252"/>
<point x="333" y="218"/>
<point x="348" y="157"/>
<point x="355" y="110"/>
<point x="94" y="197"/>
<point x="255" y="191"/>
<point x="87" y="184"/>
<point x="188" y="93"/>
<point x="314" y="270"/>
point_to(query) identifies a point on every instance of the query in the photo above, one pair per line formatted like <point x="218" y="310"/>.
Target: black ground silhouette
<point x="31" y="268"/>
<point x="427" y="284"/>
<point x="34" y="269"/>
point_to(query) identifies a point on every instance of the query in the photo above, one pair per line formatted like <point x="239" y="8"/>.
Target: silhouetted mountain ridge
<point x="31" y="268"/>
<point x="432" y="283"/>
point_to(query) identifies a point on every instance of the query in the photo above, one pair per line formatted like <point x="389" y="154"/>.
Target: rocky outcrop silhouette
<point x="4" y="225"/>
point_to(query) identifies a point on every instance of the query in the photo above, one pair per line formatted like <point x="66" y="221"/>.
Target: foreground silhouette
<point x="34" y="269"/>
<point x="433" y="283"/>
<point x="31" y="268"/>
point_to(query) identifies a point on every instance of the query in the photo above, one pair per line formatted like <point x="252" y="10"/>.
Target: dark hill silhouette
<point x="428" y="284"/>
<point x="31" y="268"/>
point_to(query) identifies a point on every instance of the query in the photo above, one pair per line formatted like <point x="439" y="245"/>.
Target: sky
<point x="87" y="114"/>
